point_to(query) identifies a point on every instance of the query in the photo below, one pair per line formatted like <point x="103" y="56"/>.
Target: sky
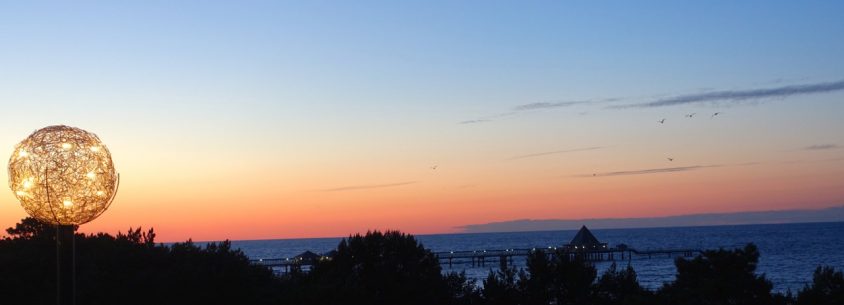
<point x="283" y="119"/>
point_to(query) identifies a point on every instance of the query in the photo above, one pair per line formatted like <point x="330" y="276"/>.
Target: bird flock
<point x="692" y="115"/>
<point x="661" y="121"/>
<point x="689" y="116"/>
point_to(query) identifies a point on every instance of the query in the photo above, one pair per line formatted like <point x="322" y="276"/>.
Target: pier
<point x="583" y="246"/>
<point x="505" y="257"/>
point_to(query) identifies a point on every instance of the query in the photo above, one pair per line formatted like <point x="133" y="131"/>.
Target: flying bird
<point x="691" y="115"/>
<point x="670" y="159"/>
<point x="715" y="114"/>
<point x="434" y="167"/>
<point x="661" y="121"/>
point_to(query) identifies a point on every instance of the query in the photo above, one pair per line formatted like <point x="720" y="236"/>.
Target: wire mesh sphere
<point x="63" y="175"/>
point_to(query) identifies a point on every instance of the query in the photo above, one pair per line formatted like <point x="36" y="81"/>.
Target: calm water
<point x="790" y="252"/>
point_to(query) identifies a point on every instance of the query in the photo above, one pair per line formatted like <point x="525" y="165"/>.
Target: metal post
<point x="65" y="265"/>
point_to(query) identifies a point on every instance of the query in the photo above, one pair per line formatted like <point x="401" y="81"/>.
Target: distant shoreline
<point x="644" y="228"/>
<point x="525" y="231"/>
<point x="831" y="214"/>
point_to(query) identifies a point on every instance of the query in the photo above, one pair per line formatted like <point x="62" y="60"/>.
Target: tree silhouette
<point x="827" y="288"/>
<point x="131" y="268"/>
<point x="501" y="287"/>
<point x="30" y="228"/>
<point x="573" y="278"/>
<point x="719" y="277"/>
<point x="560" y="279"/>
<point x="620" y="287"/>
<point x="378" y="268"/>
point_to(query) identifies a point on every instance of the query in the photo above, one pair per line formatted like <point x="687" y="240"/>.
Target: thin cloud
<point x="550" y="105"/>
<point x="821" y="147"/>
<point x="813" y="161"/>
<point x="663" y="170"/>
<point x="487" y="119"/>
<point x="738" y="96"/>
<point x="649" y="171"/>
<point x="366" y="187"/>
<point x="554" y="152"/>
<point x="545" y="105"/>
<point x="474" y="121"/>
<point x="538" y="106"/>
<point x="714" y="96"/>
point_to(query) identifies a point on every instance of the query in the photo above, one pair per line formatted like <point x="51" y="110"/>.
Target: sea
<point x="789" y="252"/>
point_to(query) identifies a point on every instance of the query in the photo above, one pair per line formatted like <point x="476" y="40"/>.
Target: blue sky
<point x="317" y="89"/>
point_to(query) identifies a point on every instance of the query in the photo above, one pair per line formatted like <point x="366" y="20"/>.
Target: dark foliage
<point x="463" y="290"/>
<point x="719" y="277"/>
<point x="620" y="287"/>
<point x="379" y="268"/>
<point x="130" y="269"/>
<point x="501" y="287"/>
<point x="558" y="279"/>
<point x="827" y="288"/>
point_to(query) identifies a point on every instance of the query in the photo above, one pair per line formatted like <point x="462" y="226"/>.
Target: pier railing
<point x="479" y="258"/>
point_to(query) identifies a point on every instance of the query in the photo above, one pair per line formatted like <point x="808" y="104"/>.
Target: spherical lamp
<point x="63" y="175"/>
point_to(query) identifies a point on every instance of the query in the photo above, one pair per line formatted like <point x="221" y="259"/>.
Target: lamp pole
<point x="65" y="265"/>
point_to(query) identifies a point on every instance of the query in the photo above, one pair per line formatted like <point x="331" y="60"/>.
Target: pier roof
<point x="584" y="238"/>
<point x="307" y="256"/>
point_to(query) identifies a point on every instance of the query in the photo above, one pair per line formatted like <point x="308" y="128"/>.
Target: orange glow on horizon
<point x="216" y="209"/>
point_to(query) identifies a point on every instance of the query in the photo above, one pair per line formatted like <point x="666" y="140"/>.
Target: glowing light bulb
<point x="76" y="167"/>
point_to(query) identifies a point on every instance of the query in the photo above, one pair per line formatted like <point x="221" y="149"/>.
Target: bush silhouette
<point x="827" y="288"/>
<point x="130" y="269"/>
<point x="378" y="268"/>
<point x="620" y="287"/>
<point x="501" y="287"/>
<point x="719" y="277"/>
<point x="558" y="279"/>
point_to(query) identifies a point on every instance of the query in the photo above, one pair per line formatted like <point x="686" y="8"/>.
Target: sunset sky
<point x="254" y="120"/>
